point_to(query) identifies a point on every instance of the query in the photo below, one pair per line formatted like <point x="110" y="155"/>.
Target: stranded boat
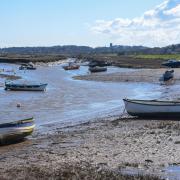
<point x="16" y="131"/>
<point x="152" y="108"/>
<point x="168" y="75"/>
<point x="97" y="69"/>
<point x="29" y="66"/>
<point x="71" y="66"/>
<point x="172" y="63"/>
<point x="25" y="86"/>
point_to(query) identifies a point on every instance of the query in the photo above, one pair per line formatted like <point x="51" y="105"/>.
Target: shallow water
<point x="173" y="172"/>
<point x="69" y="101"/>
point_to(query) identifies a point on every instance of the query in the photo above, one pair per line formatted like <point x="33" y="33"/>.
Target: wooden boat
<point x="152" y="108"/>
<point x="71" y="66"/>
<point x="16" y="131"/>
<point x="24" y="86"/>
<point x="97" y="69"/>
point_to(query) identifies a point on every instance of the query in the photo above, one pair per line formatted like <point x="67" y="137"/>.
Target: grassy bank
<point x="127" y="61"/>
<point x="161" y="56"/>
<point x="17" y="58"/>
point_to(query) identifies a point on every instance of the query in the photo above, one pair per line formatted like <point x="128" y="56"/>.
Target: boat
<point x="29" y="66"/>
<point x="94" y="63"/>
<point x="168" y="75"/>
<point x="25" y="86"/>
<point x="71" y="66"/>
<point x="172" y="63"/>
<point x="97" y="69"/>
<point x="16" y="131"/>
<point x="152" y="108"/>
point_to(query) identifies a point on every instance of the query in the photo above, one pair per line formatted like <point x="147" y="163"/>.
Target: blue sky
<point x="81" y="22"/>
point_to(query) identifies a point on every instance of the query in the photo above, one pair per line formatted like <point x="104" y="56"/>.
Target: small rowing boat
<point x="71" y="66"/>
<point x="97" y="69"/>
<point x="29" y="66"/>
<point x="16" y="131"/>
<point x="24" y="86"/>
<point x="152" y="108"/>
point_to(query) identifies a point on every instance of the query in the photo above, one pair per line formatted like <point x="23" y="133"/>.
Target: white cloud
<point x="157" y="27"/>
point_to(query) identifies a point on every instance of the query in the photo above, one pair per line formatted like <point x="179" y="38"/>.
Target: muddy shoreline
<point x="140" y="75"/>
<point x="109" y="144"/>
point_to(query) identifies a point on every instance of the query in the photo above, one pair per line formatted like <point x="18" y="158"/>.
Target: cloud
<point x="157" y="27"/>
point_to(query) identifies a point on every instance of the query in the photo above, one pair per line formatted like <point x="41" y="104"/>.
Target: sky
<point x="89" y="22"/>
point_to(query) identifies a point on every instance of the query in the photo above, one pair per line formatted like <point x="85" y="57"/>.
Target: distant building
<point x="111" y="45"/>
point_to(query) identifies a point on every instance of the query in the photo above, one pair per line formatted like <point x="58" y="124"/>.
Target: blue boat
<point x="172" y="63"/>
<point x="16" y="131"/>
<point x="25" y="86"/>
<point x="168" y="75"/>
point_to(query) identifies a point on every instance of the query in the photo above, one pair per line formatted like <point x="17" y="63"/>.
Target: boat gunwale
<point x="23" y="121"/>
<point x="169" y="103"/>
<point x="13" y="84"/>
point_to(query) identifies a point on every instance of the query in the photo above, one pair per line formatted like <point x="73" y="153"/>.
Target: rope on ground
<point x="123" y="113"/>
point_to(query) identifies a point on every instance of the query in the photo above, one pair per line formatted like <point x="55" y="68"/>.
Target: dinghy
<point x="97" y="69"/>
<point x="20" y="85"/>
<point x="16" y="131"/>
<point x="152" y="108"/>
<point x="71" y="66"/>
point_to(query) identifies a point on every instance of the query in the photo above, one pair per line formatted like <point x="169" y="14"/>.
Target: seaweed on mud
<point x="68" y="172"/>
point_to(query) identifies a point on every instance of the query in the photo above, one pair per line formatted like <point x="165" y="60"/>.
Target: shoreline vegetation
<point x="21" y="58"/>
<point x="124" y="61"/>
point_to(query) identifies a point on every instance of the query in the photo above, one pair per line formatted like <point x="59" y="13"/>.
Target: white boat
<point x="24" y="86"/>
<point x="152" y="108"/>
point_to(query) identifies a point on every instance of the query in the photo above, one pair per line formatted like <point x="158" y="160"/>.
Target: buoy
<point x="18" y="105"/>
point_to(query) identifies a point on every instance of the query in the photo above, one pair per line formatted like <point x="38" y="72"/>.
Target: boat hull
<point x="164" y="109"/>
<point x="25" y="87"/>
<point x="13" y="132"/>
<point x="97" y="69"/>
<point x="74" y="67"/>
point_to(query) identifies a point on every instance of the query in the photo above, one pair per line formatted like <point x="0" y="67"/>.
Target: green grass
<point x="159" y="56"/>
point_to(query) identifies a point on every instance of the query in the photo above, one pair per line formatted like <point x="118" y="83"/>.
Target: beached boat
<point x="25" y="86"/>
<point x="172" y="63"/>
<point x="152" y="108"/>
<point x="71" y="66"/>
<point x="29" y="66"/>
<point x="168" y="75"/>
<point x="97" y="69"/>
<point x="16" y="131"/>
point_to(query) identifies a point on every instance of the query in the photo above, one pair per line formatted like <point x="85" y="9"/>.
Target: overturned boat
<point x="152" y="108"/>
<point x="16" y="131"/>
<point x="97" y="69"/>
<point x="25" y="86"/>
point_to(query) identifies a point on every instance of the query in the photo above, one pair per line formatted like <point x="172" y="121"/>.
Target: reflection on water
<point x="70" y="101"/>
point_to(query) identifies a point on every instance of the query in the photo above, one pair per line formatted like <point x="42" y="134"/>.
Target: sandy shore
<point x="112" y="144"/>
<point x="139" y="75"/>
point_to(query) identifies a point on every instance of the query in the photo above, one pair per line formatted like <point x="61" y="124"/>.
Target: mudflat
<point x="139" y="75"/>
<point x="106" y="146"/>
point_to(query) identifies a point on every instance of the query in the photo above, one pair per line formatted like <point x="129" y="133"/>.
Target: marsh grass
<point x="159" y="56"/>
